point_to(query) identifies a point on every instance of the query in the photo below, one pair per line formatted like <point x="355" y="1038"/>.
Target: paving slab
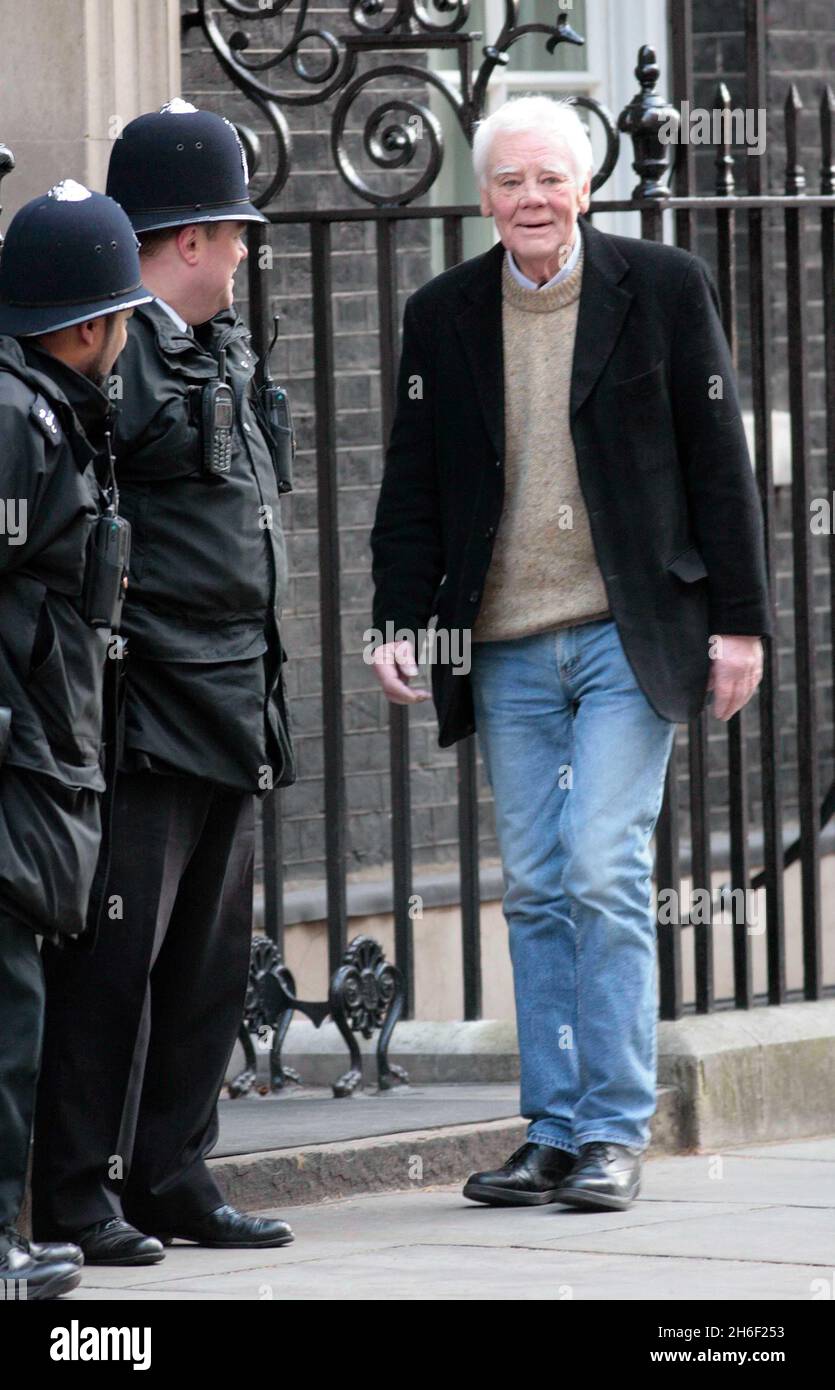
<point x="332" y="1230"/>
<point x="764" y="1232"/>
<point x="437" y="1272"/>
<point x="736" y="1176"/>
<point x="813" y="1150"/>
<point x="801" y="1235"/>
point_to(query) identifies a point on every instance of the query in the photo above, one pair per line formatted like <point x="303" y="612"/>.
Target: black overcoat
<point x="52" y="662"/>
<point x="662" y="459"/>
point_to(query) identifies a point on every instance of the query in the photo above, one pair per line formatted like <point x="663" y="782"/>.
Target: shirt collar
<point x="566" y="270"/>
<point x="172" y="313"/>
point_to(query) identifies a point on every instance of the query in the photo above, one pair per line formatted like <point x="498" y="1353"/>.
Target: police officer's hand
<point x="735" y="672"/>
<point x="394" y="666"/>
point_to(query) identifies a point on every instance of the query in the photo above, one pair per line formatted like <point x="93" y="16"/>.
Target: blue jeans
<point x="576" y="758"/>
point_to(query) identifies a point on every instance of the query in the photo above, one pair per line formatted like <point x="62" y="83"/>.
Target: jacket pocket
<point x="65" y="683"/>
<point x="638" y="413"/>
<point x="21" y="604"/>
<point x="634" y="387"/>
<point x="688" y="565"/>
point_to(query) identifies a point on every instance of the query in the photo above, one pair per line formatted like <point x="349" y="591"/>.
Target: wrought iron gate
<point x="397" y="34"/>
<point x="388" y="38"/>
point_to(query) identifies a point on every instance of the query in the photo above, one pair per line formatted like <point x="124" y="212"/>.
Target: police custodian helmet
<point x="178" y="166"/>
<point x="69" y="256"/>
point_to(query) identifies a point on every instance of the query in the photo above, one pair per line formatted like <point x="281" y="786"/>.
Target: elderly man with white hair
<point x="568" y="483"/>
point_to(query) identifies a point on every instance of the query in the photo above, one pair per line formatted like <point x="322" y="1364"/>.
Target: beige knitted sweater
<point x="543" y="573"/>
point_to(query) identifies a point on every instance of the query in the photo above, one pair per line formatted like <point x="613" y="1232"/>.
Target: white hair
<point x="546" y="116"/>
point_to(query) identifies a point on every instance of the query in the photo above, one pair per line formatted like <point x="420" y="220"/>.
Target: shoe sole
<point x="499" y="1197"/>
<point x="229" y="1244"/>
<point x="595" y="1201"/>
<point x="127" y="1260"/>
<point x="55" y="1288"/>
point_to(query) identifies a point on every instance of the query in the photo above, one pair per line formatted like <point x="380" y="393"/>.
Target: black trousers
<point x="21" y="1028"/>
<point x="138" y="1034"/>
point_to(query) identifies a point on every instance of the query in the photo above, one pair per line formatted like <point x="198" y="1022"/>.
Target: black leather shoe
<point x="226" y="1228"/>
<point x="114" y="1242"/>
<point x="605" y="1177"/>
<point x="28" y="1280"/>
<point x="55" y="1251"/>
<point x="530" y="1178"/>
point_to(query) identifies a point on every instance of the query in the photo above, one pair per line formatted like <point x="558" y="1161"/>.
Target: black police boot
<point x="531" y="1177"/>
<point x="27" y="1280"/>
<point x="226" y="1228"/>
<point x="115" y="1242"/>
<point x="60" y="1251"/>
<point x="605" y="1177"/>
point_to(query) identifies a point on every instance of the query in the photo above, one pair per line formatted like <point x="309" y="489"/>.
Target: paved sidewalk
<point x="753" y="1223"/>
<point x="310" y="1115"/>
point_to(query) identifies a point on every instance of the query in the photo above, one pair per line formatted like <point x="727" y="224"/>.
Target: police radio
<point x="275" y="409"/>
<point x="108" y="553"/>
<point x="217" y="422"/>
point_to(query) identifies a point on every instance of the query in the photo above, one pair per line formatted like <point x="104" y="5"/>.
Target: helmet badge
<point x="68" y="191"/>
<point x="177" y="107"/>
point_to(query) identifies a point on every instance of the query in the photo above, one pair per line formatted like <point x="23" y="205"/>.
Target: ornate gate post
<point x="646" y="115"/>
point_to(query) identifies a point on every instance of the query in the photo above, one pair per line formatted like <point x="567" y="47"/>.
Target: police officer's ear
<point x="189" y="243"/>
<point x="76" y="342"/>
<point x="84" y="346"/>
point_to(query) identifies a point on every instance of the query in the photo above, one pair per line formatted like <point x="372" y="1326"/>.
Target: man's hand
<point x="394" y="665"/>
<point x="735" y="673"/>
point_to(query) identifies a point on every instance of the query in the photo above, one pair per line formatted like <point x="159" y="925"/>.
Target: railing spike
<point x="725" y="178"/>
<point x="795" y="175"/>
<point x="827" y="115"/>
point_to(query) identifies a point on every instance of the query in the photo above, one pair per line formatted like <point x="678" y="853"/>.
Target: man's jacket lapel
<point x="603" y="309"/>
<point x="480" y="327"/>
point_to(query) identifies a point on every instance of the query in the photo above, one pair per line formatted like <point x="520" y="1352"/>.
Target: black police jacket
<point x="663" y="465"/>
<point x="205" y="692"/>
<point x="51" y="661"/>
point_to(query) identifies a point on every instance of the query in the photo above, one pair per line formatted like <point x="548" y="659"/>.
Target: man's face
<point x="534" y="197"/>
<point x="220" y="256"/>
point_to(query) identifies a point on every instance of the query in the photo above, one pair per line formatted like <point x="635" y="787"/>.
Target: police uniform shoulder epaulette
<point x="42" y="415"/>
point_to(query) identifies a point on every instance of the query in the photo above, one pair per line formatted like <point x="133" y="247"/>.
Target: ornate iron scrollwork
<point x="366" y="994"/>
<point x="398" y="127"/>
<point x="267" y="1009"/>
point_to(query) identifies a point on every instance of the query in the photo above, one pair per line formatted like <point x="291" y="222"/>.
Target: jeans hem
<point x="553" y="1141"/>
<point x="611" y="1139"/>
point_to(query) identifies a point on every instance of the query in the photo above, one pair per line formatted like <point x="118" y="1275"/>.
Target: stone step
<point x="380" y="1162"/>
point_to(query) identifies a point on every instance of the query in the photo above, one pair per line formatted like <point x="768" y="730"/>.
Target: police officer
<point x="69" y="277"/>
<point x="138" y="1038"/>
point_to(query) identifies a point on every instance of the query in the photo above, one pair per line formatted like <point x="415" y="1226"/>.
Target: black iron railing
<point x="395" y="35"/>
<point x="745" y="223"/>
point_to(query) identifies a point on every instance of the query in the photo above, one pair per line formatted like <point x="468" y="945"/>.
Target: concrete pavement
<point x="753" y="1223"/>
